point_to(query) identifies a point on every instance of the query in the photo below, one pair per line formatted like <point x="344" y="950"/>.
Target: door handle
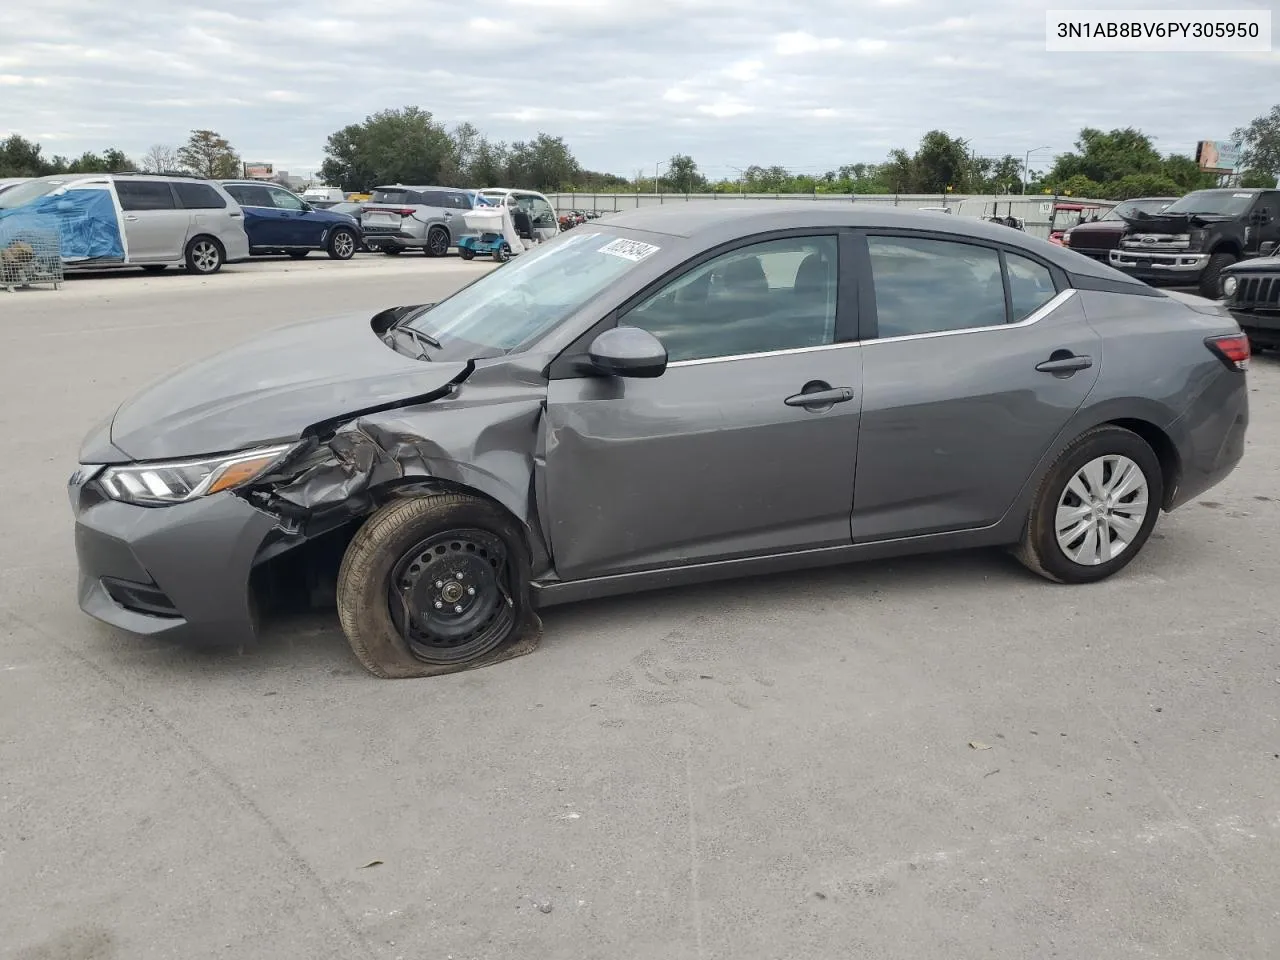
<point x="1065" y="364"/>
<point x="131" y="218"/>
<point x="820" y="398"/>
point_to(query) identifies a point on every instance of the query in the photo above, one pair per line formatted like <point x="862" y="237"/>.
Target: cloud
<point x="799" y="42"/>
<point x="809" y="85"/>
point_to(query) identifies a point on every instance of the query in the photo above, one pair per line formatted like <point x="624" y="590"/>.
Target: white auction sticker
<point x="633" y="250"/>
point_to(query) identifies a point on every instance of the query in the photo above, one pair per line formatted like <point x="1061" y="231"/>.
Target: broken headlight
<point x="160" y="484"/>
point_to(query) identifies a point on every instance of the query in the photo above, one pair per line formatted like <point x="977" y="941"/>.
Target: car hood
<point x="273" y="387"/>
<point x="1268" y="264"/>
<point x="1099" y="226"/>
<point x="1173" y="222"/>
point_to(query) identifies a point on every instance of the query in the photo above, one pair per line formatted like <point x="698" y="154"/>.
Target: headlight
<point x="1195" y="239"/>
<point x="160" y="484"/>
<point x="1229" y="286"/>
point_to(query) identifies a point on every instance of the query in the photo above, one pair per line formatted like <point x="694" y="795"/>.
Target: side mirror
<point x="628" y="352"/>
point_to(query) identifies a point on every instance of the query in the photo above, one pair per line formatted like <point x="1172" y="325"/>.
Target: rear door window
<point x="924" y="285"/>
<point x="199" y="196"/>
<point x="145" y="195"/>
<point x="250" y="195"/>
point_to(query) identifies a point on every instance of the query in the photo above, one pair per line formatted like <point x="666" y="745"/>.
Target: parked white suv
<point x="139" y="220"/>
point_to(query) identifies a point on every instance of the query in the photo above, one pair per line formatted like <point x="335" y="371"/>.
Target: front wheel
<point x="433" y="584"/>
<point x="342" y="245"/>
<point x="204" y="255"/>
<point x="1095" y="508"/>
<point x="437" y="242"/>
<point x="503" y="253"/>
<point x="466" y="253"/>
<point x="1211" y="279"/>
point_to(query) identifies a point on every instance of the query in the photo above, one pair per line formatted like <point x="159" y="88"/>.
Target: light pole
<point x="742" y="178"/>
<point x="1026" y="161"/>
<point x="657" y="181"/>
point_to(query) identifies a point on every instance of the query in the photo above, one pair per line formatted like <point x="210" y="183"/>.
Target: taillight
<point x="1232" y="349"/>
<point x="402" y="211"/>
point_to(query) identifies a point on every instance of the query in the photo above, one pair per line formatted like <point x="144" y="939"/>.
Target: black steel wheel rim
<point x="449" y="596"/>
<point x="439" y="242"/>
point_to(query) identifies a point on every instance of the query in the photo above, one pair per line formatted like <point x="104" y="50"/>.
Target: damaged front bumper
<point x="180" y="572"/>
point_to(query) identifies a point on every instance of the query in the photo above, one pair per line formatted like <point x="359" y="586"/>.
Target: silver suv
<point x="143" y="220"/>
<point x="399" y="217"/>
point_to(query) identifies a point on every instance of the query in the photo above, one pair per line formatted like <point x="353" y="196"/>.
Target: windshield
<point x="1130" y="207"/>
<point x="396" y="195"/>
<point x="521" y="301"/>
<point x="1223" y="203"/>
<point x="23" y="193"/>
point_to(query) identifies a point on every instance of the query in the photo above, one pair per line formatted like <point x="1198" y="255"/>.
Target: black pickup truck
<point x="1251" y="291"/>
<point x="1191" y="241"/>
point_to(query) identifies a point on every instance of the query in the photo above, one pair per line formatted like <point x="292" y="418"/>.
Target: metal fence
<point x="1033" y="211"/>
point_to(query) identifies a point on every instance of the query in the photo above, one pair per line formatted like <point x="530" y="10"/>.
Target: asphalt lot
<point x="775" y="768"/>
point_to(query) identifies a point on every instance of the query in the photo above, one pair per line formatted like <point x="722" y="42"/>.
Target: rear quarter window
<point x="397" y="196"/>
<point x="199" y="196"/>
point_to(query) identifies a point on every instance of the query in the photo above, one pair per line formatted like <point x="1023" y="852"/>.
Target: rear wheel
<point x="437" y="242"/>
<point x="1211" y="279"/>
<point x="433" y="583"/>
<point x="503" y="253"/>
<point x="1095" y="508"/>
<point x="204" y="255"/>
<point x="342" y="245"/>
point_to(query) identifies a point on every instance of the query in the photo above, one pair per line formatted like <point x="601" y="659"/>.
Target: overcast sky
<point x="807" y="84"/>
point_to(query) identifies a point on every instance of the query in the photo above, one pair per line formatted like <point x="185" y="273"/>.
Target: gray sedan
<point x="674" y="395"/>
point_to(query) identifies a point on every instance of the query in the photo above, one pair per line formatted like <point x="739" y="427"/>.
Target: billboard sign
<point x="258" y="171"/>
<point x="1219" y="156"/>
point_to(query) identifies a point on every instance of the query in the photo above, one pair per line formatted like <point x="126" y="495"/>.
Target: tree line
<point x="408" y="145"/>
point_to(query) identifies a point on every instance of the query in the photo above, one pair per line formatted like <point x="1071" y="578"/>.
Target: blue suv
<point x="277" y="221"/>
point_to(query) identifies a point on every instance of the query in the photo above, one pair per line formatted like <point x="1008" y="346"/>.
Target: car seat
<point x="523" y="224"/>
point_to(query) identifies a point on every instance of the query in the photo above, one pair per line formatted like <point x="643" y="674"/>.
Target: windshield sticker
<point x="632" y="250"/>
<point x="1246" y="196"/>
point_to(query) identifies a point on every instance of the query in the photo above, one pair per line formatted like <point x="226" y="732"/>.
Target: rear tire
<point x="1115" y="507"/>
<point x="389" y="577"/>
<point x="437" y="244"/>
<point x="205" y="256"/>
<point x="466" y="253"/>
<point x="1211" y="280"/>
<point x="342" y="245"/>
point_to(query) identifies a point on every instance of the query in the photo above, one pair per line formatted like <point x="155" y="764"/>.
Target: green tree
<point x="206" y="154"/>
<point x="898" y="173"/>
<point x="1186" y="175"/>
<point x="20" y="157"/>
<point x="487" y="164"/>
<point x="1257" y="178"/>
<point x="682" y="174"/>
<point x="1106" y="157"/>
<point x="543" y="163"/>
<point x="1261" y="142"/>
<point x="941" y="161"/>
<point x="391" y="146"/>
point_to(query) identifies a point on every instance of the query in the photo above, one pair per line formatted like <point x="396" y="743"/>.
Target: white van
<point x="323" y="196"/>
<point x="125" y="219"/>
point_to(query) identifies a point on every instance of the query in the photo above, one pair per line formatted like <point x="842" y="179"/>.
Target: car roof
<point x="418" y="186"/>
<point x="710" y="222"/>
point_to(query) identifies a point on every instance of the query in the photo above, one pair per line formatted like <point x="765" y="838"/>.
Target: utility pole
<point x="1026" y="162"/>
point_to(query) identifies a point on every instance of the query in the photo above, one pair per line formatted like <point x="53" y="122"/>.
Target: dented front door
<point x="713" y="460"/>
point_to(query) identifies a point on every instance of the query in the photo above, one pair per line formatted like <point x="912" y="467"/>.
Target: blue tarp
<point x="86" y="220"/>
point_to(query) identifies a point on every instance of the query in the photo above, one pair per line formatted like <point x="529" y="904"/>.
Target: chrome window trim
<point x="1039" y="314"/>
<point x="764" y="353"/>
